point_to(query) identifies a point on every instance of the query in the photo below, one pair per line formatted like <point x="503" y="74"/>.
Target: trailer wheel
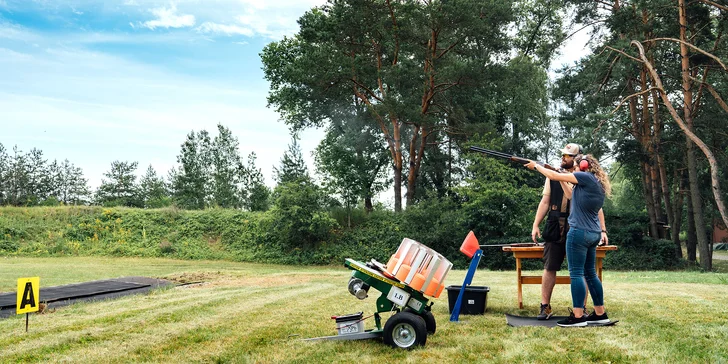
<point x="405" y="330"/>
<point x="429" y="318"/>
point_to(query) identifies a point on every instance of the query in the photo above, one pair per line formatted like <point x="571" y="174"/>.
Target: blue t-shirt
<point x="586" y="201"/>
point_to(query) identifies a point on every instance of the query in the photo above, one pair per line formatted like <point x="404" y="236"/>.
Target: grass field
<point x="247" y="313"/>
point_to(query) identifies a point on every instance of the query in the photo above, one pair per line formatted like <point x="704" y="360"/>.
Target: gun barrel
<point x="508" y="156"/>
<point x="491" y="152"/>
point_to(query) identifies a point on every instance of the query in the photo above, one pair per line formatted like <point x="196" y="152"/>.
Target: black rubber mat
<point x="518" y="321"/>
<point x="63" y="295"/>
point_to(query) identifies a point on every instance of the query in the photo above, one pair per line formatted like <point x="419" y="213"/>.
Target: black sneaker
<point x="572" y="321"/>
<point x="593" y="318"/>
<point x="545" y="313"/>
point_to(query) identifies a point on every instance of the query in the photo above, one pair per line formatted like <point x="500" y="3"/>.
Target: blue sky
<point x="98" y="81"/>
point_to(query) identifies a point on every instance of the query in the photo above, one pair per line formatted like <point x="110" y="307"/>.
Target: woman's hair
<point x="597" y="170"/>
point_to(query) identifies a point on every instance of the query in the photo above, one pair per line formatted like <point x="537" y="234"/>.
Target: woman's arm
<point x="552" y="175"/>
<point x="605" y="240"/>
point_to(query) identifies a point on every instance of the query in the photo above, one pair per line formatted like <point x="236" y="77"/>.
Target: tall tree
<point x="69" y="185"/>
<point x="226" y="165"/>
<point x="415" y="65"/>
<point x="189" y="182"/>
<point x="651" y="81"/>
<point x="293" y="167"/>
<point x="152" y="190"/>
<point x="17" y="178"/>
<point x="353" y="160"/>
<point x="119" y="187"/>
<point x="256" y="195"/>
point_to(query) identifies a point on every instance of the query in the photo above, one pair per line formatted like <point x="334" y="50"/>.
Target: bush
<point x="636" y="250"/>
<point x="298" y="230"/>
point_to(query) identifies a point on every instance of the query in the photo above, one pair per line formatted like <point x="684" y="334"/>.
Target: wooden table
<point x="533" y="252"/>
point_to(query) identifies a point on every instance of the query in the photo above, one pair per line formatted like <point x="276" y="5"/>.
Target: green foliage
<point x="26" y="179"/>
<point x="189" y="183"/>
<point x="119" y="188"/>
<point x="299" y="218"/>
<point x="226" y="169"/>
<point x="292" y="168"/>
<point x="353" y="160"/>
<point x="297" y="230"/>
<point x="255" y="194"/>
<point x="636" y="250"/>
<point x="153" y="190"/>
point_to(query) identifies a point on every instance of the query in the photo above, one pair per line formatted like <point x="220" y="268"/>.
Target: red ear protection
<point x="584" y="164"/>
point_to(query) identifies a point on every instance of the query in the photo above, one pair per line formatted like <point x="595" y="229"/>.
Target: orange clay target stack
<point x="412" y="274"/>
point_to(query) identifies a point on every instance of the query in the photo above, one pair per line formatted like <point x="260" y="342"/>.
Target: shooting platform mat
<point x="518" y="321"/>
<point x="70" y="293"/>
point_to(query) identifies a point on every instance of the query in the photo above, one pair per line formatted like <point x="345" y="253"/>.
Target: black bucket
<point x="475" y="299"/>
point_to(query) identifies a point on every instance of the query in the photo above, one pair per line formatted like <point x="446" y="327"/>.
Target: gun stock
<point x="510" y="157"/>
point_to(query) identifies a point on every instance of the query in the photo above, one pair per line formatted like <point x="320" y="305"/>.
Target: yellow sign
<point x="28" y="295"/>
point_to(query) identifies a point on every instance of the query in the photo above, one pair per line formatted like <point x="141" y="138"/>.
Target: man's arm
<point x="605" y="240"/>
<point x="543" y="208"/>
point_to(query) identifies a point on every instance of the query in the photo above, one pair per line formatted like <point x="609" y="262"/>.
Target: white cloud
<point x="209" y="27"/>
<point x="272" y="26"/>
<point x="280" y="4"/>
<point x="168" y="18"/>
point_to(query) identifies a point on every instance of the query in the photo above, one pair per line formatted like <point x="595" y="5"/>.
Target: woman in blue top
<point x="591" y="185"/>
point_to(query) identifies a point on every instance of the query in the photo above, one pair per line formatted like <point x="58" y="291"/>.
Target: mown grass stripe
<point x="60" y="339"/>
<point x="134" y="330"/>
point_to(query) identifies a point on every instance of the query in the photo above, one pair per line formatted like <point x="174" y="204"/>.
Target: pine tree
<point x="226" y="165"/>
<point x="152" y="190"/>
<point x="256" y="193"/>
<point x="17" y="178"/>
<point x="293" y="168"/>
<point x="120" y="188"/>
<point x="68" y="186"/>
<point x="190" y="181"/>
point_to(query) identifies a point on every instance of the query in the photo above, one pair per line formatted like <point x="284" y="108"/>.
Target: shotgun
<point x="510" y="157"/>
<point x="513" y="245"/>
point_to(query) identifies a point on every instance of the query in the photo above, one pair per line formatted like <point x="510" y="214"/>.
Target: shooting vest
<point x="559" y="208"/>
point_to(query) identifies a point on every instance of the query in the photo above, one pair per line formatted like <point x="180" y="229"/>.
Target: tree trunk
<point x="696" y="201"/>
<point x="368" y="207"/>
<point x="705" y="258"/>
<point x="397" y="188"/>
<point x="692" y="236"/>
<point x="649" y="202"/>
<point x="641" y="130"/>
<point x="677" y="213"/>
<point x="666" y="195"/>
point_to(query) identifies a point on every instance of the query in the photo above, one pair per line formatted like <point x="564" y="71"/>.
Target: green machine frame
<point x="412" y="320"/>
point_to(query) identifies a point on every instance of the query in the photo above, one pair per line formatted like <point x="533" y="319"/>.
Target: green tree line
<point x="403" y="87"/>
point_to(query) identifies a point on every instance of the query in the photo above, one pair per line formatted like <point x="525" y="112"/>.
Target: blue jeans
<point x="581" y="253"/>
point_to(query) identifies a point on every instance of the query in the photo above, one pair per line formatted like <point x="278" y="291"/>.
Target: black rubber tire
<point x="405" y="330"/>
<point x="429" y="318"/>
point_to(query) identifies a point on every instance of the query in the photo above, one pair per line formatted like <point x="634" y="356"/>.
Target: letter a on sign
<point x="28" y="295"/>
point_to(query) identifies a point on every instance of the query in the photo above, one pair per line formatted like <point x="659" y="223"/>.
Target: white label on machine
<point x="398" y="296"/>
<point x="417" y="305"/>
<point x="349" y="329"/>
<point x="471" y="302"/>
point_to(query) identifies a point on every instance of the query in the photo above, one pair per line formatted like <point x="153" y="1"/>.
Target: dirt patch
<point x="219" y="279"/>
<point x="194" y="277"/>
